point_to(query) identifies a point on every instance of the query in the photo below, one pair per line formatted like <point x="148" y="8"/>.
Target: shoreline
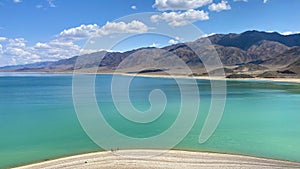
<point x="284" y="80"/>
<point x="166" y="159"/>
<point x="287" y="80"/>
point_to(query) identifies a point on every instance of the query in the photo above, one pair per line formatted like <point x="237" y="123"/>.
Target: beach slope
<point x="167" y="159"/>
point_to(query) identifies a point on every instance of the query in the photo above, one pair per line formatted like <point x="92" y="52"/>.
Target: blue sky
<point x="40" y="30"/>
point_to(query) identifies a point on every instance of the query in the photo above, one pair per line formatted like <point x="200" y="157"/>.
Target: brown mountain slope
<point x="286" y="58"/>
<point x="232" y="55"/>
<point x="264" y="50"/>
<point x="294" y="67"/>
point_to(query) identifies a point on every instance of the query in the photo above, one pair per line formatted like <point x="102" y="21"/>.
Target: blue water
<point x="38" y="121"/>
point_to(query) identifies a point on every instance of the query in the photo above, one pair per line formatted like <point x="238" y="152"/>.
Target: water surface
<point x="38" y="120"/>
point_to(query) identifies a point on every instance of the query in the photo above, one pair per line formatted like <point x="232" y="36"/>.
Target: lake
<point x="38" y="121"/>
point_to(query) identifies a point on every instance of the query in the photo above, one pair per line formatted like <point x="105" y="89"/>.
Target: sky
<point x="47" y="30"/>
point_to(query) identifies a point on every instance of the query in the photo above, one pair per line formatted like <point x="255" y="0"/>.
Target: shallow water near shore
<point x="38" y="120"/>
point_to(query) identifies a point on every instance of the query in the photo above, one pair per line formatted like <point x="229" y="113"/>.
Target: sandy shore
<point x="289" y="80"/>
<point x="168" y="159"/>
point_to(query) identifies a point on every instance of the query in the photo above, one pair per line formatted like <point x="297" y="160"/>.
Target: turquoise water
<point x="38" y="120"/>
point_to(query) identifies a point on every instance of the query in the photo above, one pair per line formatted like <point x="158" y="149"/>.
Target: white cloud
<point x="87" y="51"/>
<point x="92" y="42"/>
<point x="178" y="38"/>
<point x="80" y="32"/>
<point x="17" y="1"/>
<point x="18" y="42"/>
<point x="3" y="39"/>
<point x="1" y="49"/>
<point x="40" y="45"/>
<point x="175" y="40"/>
<point x="154" y="45"/>
<point x="286" y="33"/>
<point x="51" y="3"/>
<point x="172" y="41"/>
<point x="269" y="31"/>
<point x="56" y="49"/>
<point x="265" y="1"/>
<point x="289" y="33"/>
<point x="180" y="18"/>
<point x="207" y="35"/>
<point x="223" y="5"/>
<point x="163" y="5"/>
<point x="122" y="27"/>
<point x="93" y="30"/>
<point x="133" y="7"/>
<point x="16" y="51"/>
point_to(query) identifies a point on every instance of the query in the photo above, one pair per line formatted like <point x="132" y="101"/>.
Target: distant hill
<point x="250" y="53"/>
<point x="28" y="66"/>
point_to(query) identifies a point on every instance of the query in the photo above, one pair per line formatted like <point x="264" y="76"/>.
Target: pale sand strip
<point x="288" y="80"/>
<point x="168" y="159"/>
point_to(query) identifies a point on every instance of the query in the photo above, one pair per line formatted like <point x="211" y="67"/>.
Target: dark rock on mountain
<point x="149" y="71"/>
<point x="288" y="72"/>
<point x="294" y="67"/>
<point x="235" y="76"/>
<point x="277" y="74"/>
<point x="270" y="74"/>
<point x="257" y="62"/>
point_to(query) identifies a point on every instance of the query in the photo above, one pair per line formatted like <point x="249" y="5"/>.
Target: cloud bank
<point x="163" y="5"/>
<point x="16" y="51"/>
<point x="223" y="5"/>
<point x="181" y="18"/>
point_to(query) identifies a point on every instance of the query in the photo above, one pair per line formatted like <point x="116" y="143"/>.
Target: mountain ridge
<point x="248" y="38"/>
<point x="251" y="52"/>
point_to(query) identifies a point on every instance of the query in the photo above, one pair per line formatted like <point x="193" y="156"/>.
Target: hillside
<point x="252" y="53"/>
<point x="286" y="58"/>
<point x="294" y="67"/>
<point x="245" y="40"/>
<point x="265" y="49"/>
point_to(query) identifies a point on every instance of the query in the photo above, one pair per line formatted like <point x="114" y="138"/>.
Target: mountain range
<point x="248" y="54"/>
